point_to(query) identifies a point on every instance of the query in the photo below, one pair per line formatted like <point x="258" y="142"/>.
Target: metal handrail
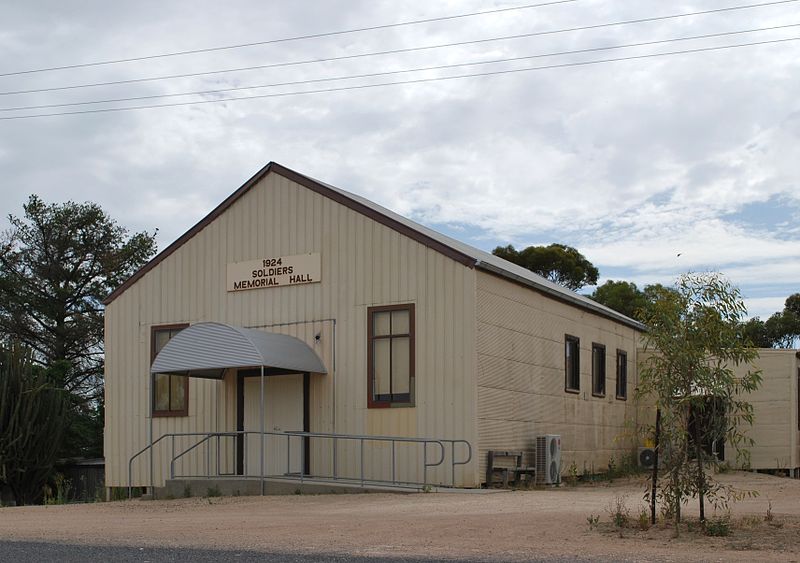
<point x="206" y="438"/>
<point x="361" y="438"/>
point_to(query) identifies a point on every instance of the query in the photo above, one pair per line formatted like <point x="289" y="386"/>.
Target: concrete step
<point x="231" y="486"/>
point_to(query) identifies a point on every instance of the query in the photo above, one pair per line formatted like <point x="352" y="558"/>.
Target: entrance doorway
<point x="286" y="409"/>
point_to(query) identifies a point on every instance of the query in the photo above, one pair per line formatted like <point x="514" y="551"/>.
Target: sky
<point x="650" y="166"/>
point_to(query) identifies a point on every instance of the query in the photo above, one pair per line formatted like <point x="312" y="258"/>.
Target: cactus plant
<point x="32" y="415"/>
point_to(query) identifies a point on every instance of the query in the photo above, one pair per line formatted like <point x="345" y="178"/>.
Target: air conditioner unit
<point x="548" y="459"/>
<point x="647" y="458"/>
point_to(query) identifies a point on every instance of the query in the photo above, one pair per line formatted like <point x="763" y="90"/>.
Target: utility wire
<point x="387" y="52"/>
<point x="395" y="72"/>
<point x="415" y="81"/>
<point x="298" y="37"/>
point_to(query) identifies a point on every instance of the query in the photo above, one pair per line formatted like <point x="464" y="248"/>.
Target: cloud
<point x="633" y="162"/>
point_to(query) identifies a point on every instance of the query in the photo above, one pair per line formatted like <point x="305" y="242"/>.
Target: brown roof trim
<point x="312" y="185"/>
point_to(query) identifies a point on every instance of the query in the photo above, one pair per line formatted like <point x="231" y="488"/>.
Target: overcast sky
<point x="633" y="162"/>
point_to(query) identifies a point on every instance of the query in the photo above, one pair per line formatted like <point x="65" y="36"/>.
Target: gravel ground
<point x="548" y="525"/>
<point x="34" y="552"/>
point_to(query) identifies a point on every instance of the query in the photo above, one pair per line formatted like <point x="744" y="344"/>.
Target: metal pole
<point x="654" y="484"/>
<point x="152" y="379"/>
<point x="453" y="462"/>
<point x="262" y="430"/>
<point x="172" y="460"/>
<point x="425" y="463"/>
<point x="394" y="465"/>
<point x="362" y="462"/>
<point x="335" y="447"/>
<point x="288" y="455"/>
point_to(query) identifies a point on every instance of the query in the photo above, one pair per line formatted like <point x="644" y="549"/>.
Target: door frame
<point x="241" y="374"/>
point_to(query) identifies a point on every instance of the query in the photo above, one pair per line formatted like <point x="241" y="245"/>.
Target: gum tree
<point x="57" y="264"/>
<point x="693" y="345"/>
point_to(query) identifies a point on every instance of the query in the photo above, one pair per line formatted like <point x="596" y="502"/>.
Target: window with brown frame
<point x="572" y="364"/>
<point x="598" y="370"/>
<point x="390" y="351"/>
<point x="622" y="375"/>
<point x="170" y="392"/>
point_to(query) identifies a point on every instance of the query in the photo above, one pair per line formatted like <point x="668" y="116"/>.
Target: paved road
<point x="36" y="552"/>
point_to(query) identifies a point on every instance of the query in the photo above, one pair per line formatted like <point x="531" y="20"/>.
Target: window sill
<point x="599" y="395"/>
<point x="391" y="406"/>
<point x="573" y="391"/>
<point x="621" y="398"/>
<point x="170" y="414"/>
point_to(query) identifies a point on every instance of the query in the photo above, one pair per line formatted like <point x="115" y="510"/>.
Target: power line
<point x="395" y="72"/>
<point x="389" y="52"/>
<point x="298" y="37"/>
<point x="402" y="82"/>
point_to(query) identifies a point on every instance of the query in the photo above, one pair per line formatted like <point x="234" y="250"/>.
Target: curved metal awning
<point x="208" y="349"/>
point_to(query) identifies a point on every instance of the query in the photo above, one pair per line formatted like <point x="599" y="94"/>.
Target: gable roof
<point x="465" y="254"/>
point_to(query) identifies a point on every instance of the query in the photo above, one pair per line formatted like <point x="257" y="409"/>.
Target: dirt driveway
<point x="504" y="525"/>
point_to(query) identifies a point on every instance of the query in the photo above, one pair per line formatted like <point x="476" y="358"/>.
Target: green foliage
<point x="213" y="492"/>
<point x="57" y="264"/>
<point x="696" y="342"/>
<point x="619" y="512"/>
<point x="719" y="526"/>
<point x="187" y="491"/>
<point x="780" y="330"/>
<point x="624" y="297"/>
<point x="62" y="487"/>
<point x="32" y="414"/>
<point x="559" y="263"/>
<point x="593" y="520"/>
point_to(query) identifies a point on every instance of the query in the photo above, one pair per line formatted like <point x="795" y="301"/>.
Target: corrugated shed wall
<point x="775" y="410"/>
<point x="363" y="263"/>
<point x="520" y="349"/>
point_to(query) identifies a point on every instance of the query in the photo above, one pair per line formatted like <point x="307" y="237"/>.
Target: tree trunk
<point x="701" y="480"/>
<point x="654" y="485"/>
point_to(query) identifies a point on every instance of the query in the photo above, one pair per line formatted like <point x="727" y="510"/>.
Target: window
<point x="598" y="370"/>
<point x="170" y="392"/>
<point x="572" y="364"/>
<point x="622" y="375"/>
<point x="390" y="356"/>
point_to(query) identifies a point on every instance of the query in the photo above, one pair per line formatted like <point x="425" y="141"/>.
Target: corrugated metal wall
<point x="363" y="263"/>
<point x="775" y="411"/>
<point x="520" y="341"/>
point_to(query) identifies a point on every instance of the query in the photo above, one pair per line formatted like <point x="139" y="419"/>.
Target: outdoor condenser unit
<point x="647" y="458"/>
<point x="548" y="459"/>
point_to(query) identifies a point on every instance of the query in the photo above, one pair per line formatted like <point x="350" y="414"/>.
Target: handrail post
<point x="335" y="447"/>
<point x="302" y="459"/>
<point x="425" y="463"/>
<point x="453" y="463"/>
<point x="217" y="455"/>
<point x="394" y="463"/>
<point x="288" y="455"/>
<point x="362" y="462"/>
